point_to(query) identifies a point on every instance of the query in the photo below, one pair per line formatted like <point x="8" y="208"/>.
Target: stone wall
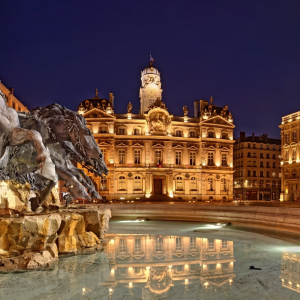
<point x="34" y="241"/>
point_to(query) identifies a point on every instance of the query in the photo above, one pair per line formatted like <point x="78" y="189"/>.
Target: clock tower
<point x="150" y="89"/>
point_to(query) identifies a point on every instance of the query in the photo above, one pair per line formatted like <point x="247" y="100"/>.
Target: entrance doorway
<point x="157" y="186"/>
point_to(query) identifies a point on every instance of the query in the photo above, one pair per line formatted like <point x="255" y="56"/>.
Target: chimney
<point x="266" y="136"/>
<point x="196" y="108"/>
<point x="242" y="135"/>
<point x="11" y="90"/>
<point x="111" y="98"/>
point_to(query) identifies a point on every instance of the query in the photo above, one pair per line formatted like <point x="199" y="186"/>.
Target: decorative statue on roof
<point x="185" y="111"/>
<point x="129" y="108"/>
<point x="59" y="138"/>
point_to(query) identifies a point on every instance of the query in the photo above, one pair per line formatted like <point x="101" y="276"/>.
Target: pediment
<point x="158" y="145"/>
<point x="192" y="147"/>
<point x="223" y="148"/>
<point x="218" y="120"/>
<point x="138" y="145"/>
<point x="123" y="256"/>
<point x="122" y="144"/>
<point x="178" y="146"/>
<point x="100" y="114"/>
<point x="178" y="254"/>
<point x="103" y="144"/>
<point x="138" y="256"/>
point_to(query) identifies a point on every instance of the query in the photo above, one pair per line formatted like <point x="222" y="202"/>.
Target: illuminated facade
<point x="156" y="153"/>
<point x="11" y="99"/>
<point x="159" y="262"/>
<point x="257" y="164"/>
<point x="290" y="153"/>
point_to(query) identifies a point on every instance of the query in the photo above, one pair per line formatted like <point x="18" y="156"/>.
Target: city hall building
<point x="155" y="153"/>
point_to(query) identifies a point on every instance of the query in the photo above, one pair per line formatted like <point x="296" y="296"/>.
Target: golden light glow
<point x="130" y="285"/>
<point x="147" y="195"/>
<point x="290" y="161"/>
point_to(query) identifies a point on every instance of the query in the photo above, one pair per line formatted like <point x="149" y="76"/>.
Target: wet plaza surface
<point x="170" y="260"/>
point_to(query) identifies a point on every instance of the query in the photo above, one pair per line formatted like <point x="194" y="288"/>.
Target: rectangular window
<point x="268" y="174"/>
<point x="224" y="245"/>
<point x="138" y="246"/>
<point x="192" y="134"/>
<point x="158" y="156"/>
<point x="249" y="154"/>
<point x="136" y="131"/>
<point x="294" y="136"/>
<point x="192" y="158"/>
<point x="261" y="174"/>
<point x="104" y="183"/>
<point x="286" y="155"/>
<point x="211" y="159"/>
<point x="137" y="156"/>
<point x="274" y="166"/>
<point x="122" y="156"/>
<point x="261" y="183"/>
<point x="286" y="137"/>
<point x="178" y="157"/>
<point x="121" y="130"/>
<point x="261" y="155"/>
<point x="211" y="244"/>
<point x="268" y="165"/>
<point x="294" y="154"/>
<point x="192" y="243"/>
<point x="249" y="173"/>
<point x="178" y="244"/>
<point x="122" y="245"/>
<point x="159" y="245"/>
<point x="224" y="159"/>
<point x="104" y="153"/>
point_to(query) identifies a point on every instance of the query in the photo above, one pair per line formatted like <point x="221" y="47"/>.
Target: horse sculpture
<point x="69" y="141"/>
<point x="12" y="136"/>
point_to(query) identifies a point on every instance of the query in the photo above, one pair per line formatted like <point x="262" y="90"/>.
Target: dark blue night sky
<point x="246" y="54"/>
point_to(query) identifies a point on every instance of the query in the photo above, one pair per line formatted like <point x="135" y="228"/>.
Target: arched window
<point x="225" y="136"/>
<point x="102" y="129"/>
<point x="179" y="183"/>
<point x="192" y="134"/>
<point x="137" y="131"/>
<point x="210" y="183"/>
<point x="178" y="132"/>
<point x="122" y="183"/>
<point x="223" y="185"/>
<point x="193" y="184"/>
<point x="137" y="183"/>
<point x="211" y="134"/>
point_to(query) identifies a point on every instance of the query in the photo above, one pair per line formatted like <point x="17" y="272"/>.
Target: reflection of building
<point x="290" y="271"/>
<point x="290" y="137"/>
<point x="160" y="262"/>
<point x="257" y="164"/>
<point x="157" y="153"/>
<point x="10" y="98"/>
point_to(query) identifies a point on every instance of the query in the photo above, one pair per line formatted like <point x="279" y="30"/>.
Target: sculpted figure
<point x="158" y="123"/>
<point x="69" y="141"/>
<point x="11" y="135"/>
<point x="185" y="111"/>
<point x="129" y="108"/>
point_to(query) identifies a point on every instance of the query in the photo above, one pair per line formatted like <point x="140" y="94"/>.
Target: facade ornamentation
<point x="159" y="149"/>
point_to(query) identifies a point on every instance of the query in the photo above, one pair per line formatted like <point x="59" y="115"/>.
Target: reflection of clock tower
<point x="150" y="89"/>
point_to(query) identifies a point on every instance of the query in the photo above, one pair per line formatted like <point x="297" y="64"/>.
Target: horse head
<point x="69" y="126"/>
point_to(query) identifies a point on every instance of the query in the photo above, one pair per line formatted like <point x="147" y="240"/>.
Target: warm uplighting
<point x="281" y="162"/>
<point x="171" y="195"/>
<point x="112" y="241"/>
<point x="218" y="164"/>
<point x="147" y="195"/>
<point x="290" y="161"/>
<point x="186" y="281"/>
<point x="130" y="285"/>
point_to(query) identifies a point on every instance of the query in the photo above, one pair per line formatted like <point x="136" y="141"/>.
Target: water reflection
<point x="290" y="270"/>
<point x="156" y="263"/>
